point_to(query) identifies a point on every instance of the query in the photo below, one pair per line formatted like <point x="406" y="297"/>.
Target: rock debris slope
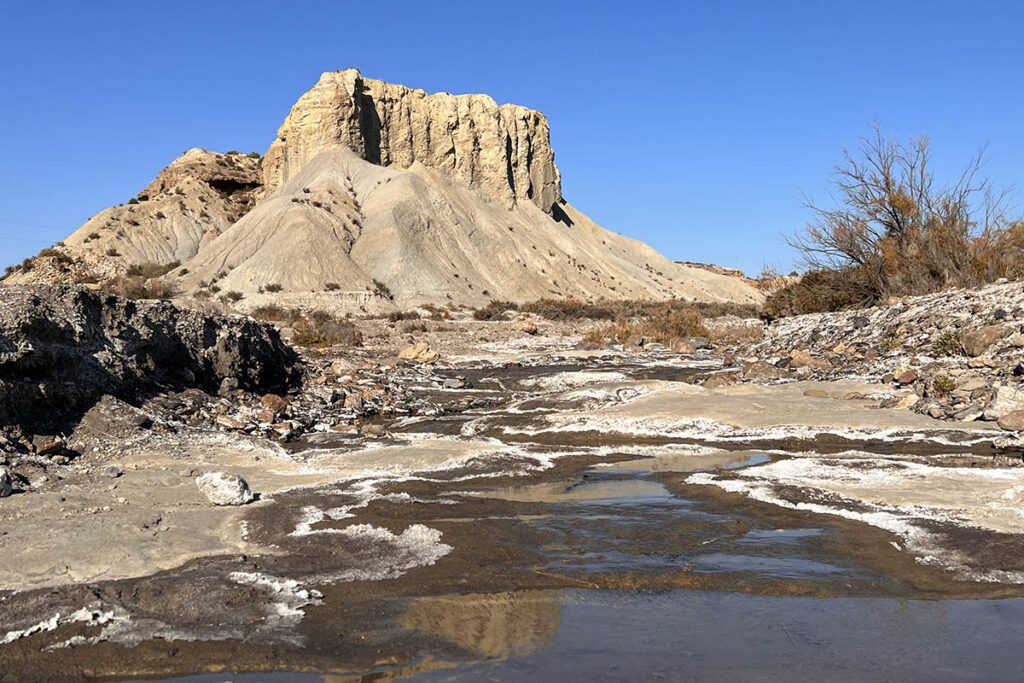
<point x="376" y="195"/>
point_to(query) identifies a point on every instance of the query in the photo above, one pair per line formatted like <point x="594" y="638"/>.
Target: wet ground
<point x="571" y="554"/>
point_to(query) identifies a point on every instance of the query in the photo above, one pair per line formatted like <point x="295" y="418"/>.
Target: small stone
<point x="936" y="412"/>
<point x="853" y="396"/>
<point x="762" y="370"/>
<point x="817" y="393"/>
<point x="112" y="471"/>
<point x="454" y="383"/>
<point x="722" y="379"/>
<point x="229" y="422"/>
<point x="526" y="327"/>
<point x="1013" y="421"/>
<point x="802" y="359"/>
<point x="6" y="483"/>
<point x="354" y="402"/>
<point x="699" y="342"/>
<point x="372" y="429"/>
<point x="222" y="488"/>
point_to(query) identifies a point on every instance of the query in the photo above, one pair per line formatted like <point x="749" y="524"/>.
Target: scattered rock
<point x="907" y="402"/>
<point x="419" y="353"/>
<point x="722" y="379"/>
<point x="227" y="385"/>
<point x="222" y="488"/>
<point x="229" y="422"/>
<point x="274" y="404"/>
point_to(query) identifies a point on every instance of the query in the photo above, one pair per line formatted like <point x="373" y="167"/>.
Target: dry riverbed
<point x="565" y="502"/>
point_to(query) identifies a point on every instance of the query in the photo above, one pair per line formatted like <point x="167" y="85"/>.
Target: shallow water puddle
<point x="710" y="636"/>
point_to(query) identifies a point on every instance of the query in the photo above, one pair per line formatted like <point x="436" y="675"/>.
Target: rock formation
<point x="376" y="196"/>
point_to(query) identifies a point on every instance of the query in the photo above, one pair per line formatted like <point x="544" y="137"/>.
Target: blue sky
<point x="696" y="127"/>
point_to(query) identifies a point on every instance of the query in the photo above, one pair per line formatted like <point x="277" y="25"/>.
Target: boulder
<point x="419" y="353"/>
<point x="977" y="342"/>
<point x="1012" y="421"/>
<point x="1006" y="400"/>
<point x="761" y="370"/>
<point x="906" y="377"/>
<point x="222" y="488"/>
<point x="274" y="405"/>
<point x="680" y="345"/>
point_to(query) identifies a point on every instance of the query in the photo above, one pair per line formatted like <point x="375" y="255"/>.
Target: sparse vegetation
<point x="331" y="286"/>
<point x="272" y="287"/>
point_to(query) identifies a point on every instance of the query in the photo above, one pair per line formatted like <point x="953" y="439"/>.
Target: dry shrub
<point x="494" y="310"/>
<point x="894" y="231"/>
<point x="139" y="288"/>
<point x="320" y="330"/>
<point x="658" y="326"/>
<point x="411" y="327"/>
<point x="148" y="271"/>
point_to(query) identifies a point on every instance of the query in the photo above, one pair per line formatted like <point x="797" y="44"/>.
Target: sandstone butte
<point x="375" y="196"/>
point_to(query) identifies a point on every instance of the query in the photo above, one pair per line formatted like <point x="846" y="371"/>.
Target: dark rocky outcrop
<point x="63" y="348"/>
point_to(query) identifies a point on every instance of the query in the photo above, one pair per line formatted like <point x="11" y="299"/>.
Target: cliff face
<point x="503" y="151"/>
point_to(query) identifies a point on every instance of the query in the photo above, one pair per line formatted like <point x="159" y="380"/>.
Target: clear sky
<point x="696" y="127"/>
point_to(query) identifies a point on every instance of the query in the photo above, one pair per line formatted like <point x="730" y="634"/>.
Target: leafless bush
<point x="895" y="231"/>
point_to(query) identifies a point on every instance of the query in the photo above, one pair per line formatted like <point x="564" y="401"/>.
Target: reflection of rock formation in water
<point x="491" y="626"/>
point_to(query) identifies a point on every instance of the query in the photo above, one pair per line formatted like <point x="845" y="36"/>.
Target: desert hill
<point x="375" y="195"/>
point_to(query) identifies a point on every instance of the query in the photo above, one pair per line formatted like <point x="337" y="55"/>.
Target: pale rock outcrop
<point x="502" y="150"/>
